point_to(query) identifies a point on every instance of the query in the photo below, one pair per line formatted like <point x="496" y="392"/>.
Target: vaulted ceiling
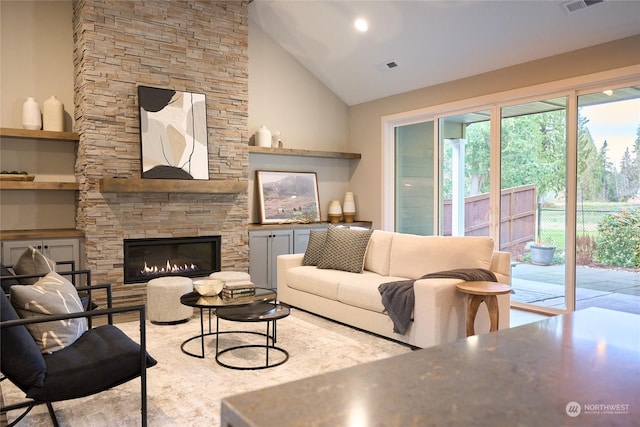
<point x="432" y="41"/>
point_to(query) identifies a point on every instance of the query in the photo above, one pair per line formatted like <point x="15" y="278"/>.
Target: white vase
<point x="53" y="115"/>
<point x="349" y="207"/>
<point x="263" y="137"/>
<point x="31" y="118"/>
<point x="335" y="211"/>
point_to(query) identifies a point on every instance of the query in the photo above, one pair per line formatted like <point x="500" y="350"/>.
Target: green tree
<point x="626" y="179"/>
<point x="534" y="151"/>
<point x="590" y="168"/>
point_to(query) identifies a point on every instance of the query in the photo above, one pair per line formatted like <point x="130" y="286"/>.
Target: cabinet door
<point x="259" y="257"/>
<point x="264" y="248"/>
<point x="55" y="249"/>
<point x="63" y="250"/>
<point x="12" y="249"/>
<point x="281" y="244"/>
<point x="301" y="240"/>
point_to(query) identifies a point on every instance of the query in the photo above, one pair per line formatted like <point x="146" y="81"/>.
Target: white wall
<point x="36" y="45"/>
<point x="284" y="96"/>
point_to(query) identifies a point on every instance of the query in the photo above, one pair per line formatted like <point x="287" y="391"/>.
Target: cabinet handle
<point x="39" y="247"/>
<point x="46" y="246"/>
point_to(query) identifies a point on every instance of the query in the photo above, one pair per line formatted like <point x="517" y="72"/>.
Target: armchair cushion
<point x="7" y="282"/>
<point x="102" y="358"/>
<point x="20" y="357"/>
<point x="32" y="262"/>
<point x="52" y="294"/>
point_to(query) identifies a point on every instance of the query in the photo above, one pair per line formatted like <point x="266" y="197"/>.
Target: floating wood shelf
<point x="45" y="233"/>
<point x="303" y="153"/>
<point x="39" y="134"/>
<point x="38" y="185"/>
<point x="136" y="185"/>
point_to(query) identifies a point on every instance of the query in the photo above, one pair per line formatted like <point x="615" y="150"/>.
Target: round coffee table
<point x="478" y="292"/>
<point x="194" y="299"/>
<point x="260" y="312"/>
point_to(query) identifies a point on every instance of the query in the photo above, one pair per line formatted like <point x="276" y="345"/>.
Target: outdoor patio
<point x="604" y="288"/>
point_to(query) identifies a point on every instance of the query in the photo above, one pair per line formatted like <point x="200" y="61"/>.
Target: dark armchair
<point x="102" y="358"/>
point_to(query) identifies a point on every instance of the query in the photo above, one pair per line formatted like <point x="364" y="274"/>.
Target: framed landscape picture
<point x="288" y="197"/>
<point x="173" y="130"/>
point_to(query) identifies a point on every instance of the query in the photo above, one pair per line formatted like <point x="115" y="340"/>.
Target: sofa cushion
<point x="310" y="279"/>
<point x="378" y="251"/>
<point x="344" y="249"/>
<point x="361" y="290"/>
<point x="52" y="294"/>
<point x="315" y="247"/>
<point x="32" y="262"/>
<point x="437" y="253"/>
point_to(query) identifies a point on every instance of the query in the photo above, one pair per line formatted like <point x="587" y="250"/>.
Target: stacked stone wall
<point x="192" y="46"/>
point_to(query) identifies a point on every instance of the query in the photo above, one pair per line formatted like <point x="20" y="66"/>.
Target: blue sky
<point x="616" y="123"/>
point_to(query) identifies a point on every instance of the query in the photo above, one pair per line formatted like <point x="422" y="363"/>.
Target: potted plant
<point x="542" y="253"/>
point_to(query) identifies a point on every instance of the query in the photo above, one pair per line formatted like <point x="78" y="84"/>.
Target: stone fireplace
<point x="146" y="259"/>
<point x="198" y="46"/>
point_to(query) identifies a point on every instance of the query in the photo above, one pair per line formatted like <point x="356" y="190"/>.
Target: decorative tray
<point x="16" y="177"/>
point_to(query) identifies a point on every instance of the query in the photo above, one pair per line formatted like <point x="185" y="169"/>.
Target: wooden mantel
<point x="137" y="185"/>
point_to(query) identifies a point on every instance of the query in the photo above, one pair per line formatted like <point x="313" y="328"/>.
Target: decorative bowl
<point x="208" y="287"/>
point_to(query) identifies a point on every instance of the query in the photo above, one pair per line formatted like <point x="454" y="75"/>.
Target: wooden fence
<point x="517" y="216"/>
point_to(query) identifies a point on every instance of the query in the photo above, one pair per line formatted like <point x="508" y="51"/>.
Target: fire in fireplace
<point x="145" y="259"/>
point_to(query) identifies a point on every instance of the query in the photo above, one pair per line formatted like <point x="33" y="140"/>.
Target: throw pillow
<point x="32" y="261"/>
<point x="20" y="357"/>
<point x="315" y="247"/>
<point x="345" y="249"/>
<point x="52" y="294"/>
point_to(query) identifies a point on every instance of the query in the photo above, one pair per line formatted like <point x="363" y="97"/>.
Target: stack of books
<point x="238" y="289"/>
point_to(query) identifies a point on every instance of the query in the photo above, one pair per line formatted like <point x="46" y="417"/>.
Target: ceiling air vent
<point x="576" y="5"/>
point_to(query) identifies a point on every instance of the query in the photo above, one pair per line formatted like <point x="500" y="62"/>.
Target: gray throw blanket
<point x="398" y="297"/>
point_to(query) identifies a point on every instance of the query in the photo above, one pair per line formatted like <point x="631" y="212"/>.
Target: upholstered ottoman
<point x="231" y="276"/>
<point x="163" y="299"/>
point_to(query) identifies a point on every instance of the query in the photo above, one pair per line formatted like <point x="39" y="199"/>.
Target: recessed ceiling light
<point x="361" y="25"/>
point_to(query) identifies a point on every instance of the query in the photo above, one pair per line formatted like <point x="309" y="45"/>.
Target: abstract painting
<point x="288" y="197"/>
<point x="173" y="130"/>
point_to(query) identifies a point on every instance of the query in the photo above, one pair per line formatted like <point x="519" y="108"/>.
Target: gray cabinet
<point x="264" y="248"/>
<point x="55" y="249"/>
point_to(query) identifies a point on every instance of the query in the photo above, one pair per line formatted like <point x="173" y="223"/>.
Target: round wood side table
<point x="478" y="292"/>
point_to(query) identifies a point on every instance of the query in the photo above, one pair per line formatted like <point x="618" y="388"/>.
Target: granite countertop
<point x="528" y="375"/>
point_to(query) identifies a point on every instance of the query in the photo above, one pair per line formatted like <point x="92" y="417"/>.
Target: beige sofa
<point x="439" y="314"/>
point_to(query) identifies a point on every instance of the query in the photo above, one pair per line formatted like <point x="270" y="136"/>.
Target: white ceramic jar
<point x="263" y="137"/>
<point x="31" y="118"/>
<point x="53" y="115"/>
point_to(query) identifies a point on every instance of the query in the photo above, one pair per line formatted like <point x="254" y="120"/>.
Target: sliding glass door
<point x="608" y="200"/>
<point x="562" y="172"/>
<point x="533" y="158"/>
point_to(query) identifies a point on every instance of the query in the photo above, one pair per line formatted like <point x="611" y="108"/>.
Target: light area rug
<point x="187" y="391"/>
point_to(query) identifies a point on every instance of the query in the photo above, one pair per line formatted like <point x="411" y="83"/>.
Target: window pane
<point x="465" y="146"/>
<point x="414" y="184"/>
<point x="533" y="188"/>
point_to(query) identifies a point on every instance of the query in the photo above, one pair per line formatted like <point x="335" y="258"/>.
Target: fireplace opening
<point x="146" y="259"/>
